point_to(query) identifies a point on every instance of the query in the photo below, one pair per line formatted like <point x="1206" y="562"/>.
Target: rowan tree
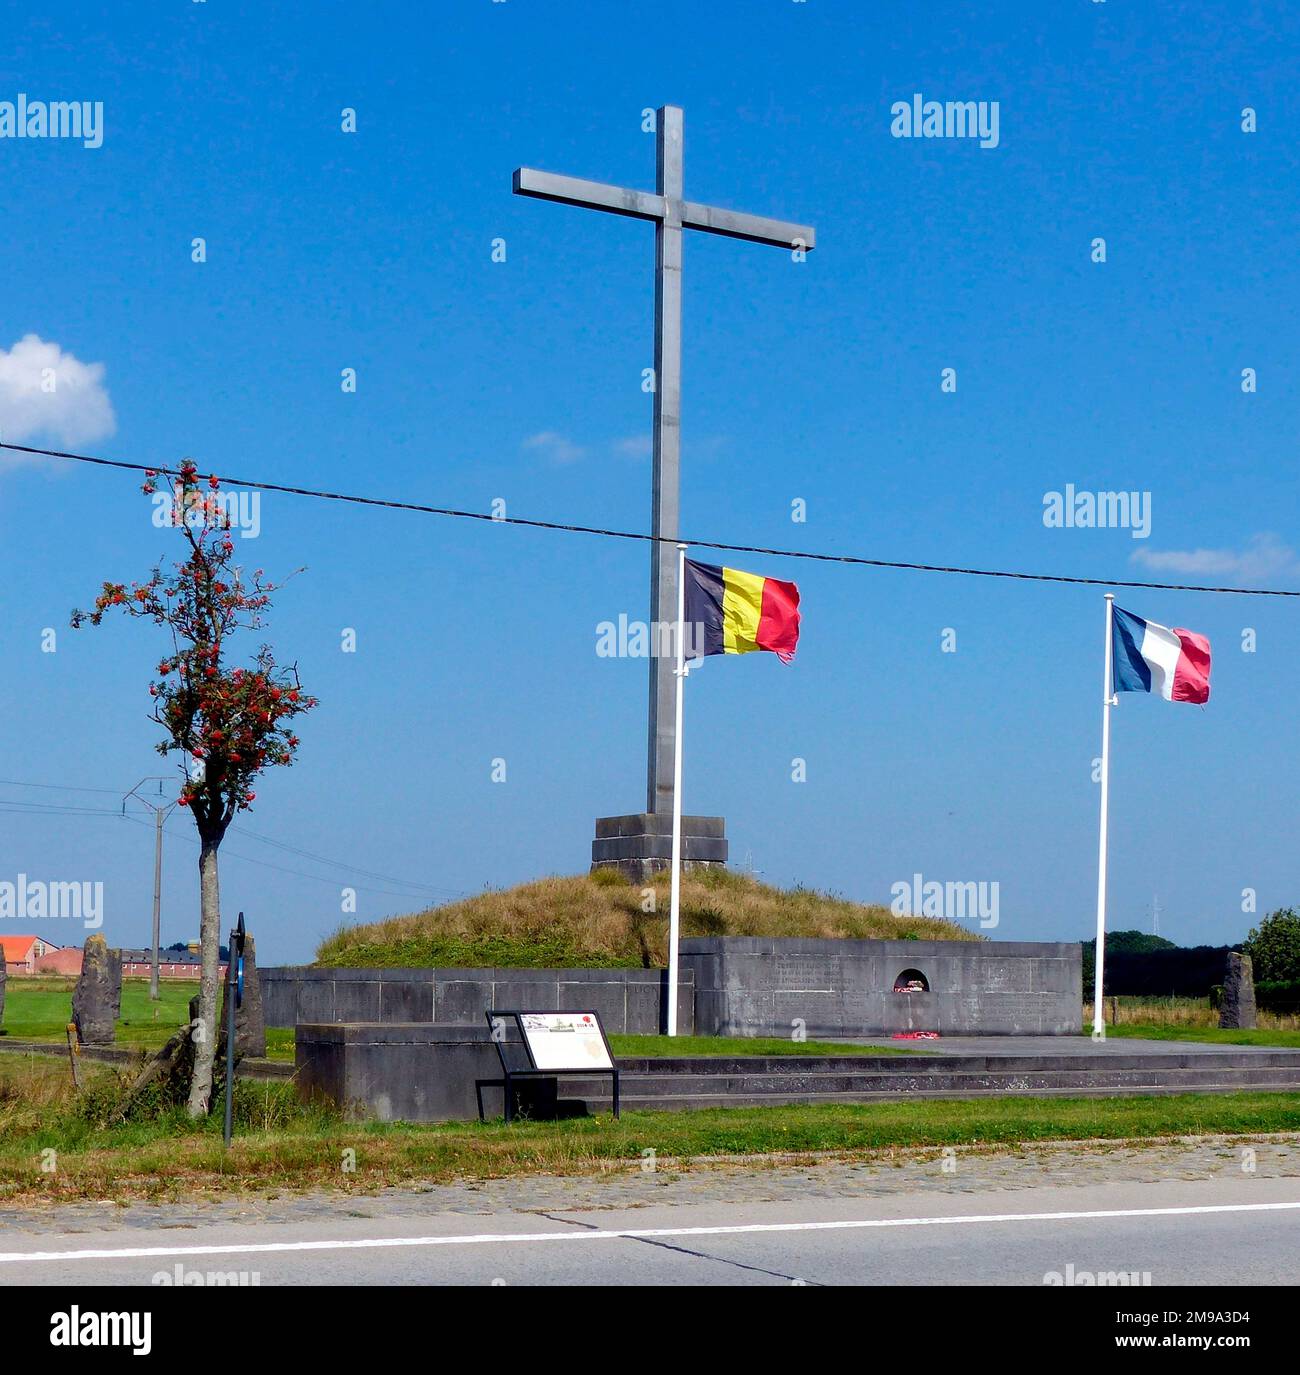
<point x="228" y="723"/>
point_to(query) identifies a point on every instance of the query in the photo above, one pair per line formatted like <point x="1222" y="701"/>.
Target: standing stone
<point x="2" y="989"/>
<point x="250" y="1020"/>
<point x="1238" y="1006"/>
<point x="97" y="998"/>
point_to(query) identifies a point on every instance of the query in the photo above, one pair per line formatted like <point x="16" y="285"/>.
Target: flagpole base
<point x="640" y="845"/>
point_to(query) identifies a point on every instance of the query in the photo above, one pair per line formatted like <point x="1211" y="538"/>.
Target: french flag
<point x="1153" y="658"/>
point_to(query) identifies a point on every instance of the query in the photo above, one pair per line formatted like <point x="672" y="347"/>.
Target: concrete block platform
<point x="418" y="1072"/>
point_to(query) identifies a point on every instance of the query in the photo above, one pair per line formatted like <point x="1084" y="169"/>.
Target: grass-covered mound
<point x="596" y="921"/>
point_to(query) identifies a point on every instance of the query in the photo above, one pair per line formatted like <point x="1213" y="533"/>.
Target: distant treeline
<point x="1164" y="971"/>
<point x="1143" y="966"/>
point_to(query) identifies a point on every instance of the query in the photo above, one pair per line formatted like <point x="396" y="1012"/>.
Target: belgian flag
<point x="730" y="612"/>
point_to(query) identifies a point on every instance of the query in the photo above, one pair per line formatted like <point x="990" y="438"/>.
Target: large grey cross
<point x="670" y="213"/>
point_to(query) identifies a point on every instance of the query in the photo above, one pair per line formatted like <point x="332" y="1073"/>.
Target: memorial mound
<point x="594" y="921"/>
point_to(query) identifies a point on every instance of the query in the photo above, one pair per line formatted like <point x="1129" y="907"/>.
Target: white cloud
<point x="1264" y="557"/>
<point x="638" y="446"/>
<point x="45" y="391"/>
<point x="557" y="447"/>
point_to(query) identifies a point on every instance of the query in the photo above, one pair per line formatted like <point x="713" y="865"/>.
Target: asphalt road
<point x="1225" y="1231"/>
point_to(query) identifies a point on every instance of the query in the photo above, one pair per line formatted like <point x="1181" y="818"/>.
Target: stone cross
<point x="670" y="213"/>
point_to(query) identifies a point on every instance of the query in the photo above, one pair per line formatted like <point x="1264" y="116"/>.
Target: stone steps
<point x="930" y="1064"/>
<point x="747" y="1081"/>
<point x="634" y="1103"/>
<point x="651" y="1086"/>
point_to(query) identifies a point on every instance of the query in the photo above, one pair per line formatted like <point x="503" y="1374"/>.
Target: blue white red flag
<point x="1153" y="658"/>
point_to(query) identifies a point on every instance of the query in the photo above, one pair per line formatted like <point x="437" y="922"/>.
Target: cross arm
<point x="755" y="228"/>
<point x="593" y="195"/>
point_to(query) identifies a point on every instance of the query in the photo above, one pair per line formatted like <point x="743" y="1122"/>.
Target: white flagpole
<point x="674" y="910"/>
<point x="1108" y="700"/>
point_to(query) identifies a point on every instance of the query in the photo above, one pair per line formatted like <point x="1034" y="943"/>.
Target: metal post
<point x="666" y="447"/>
<point x="233" y="960"/>
<point x="1108" y="699"/>
<point x="157" y="900"/>
<point x="670" y="213"/>
<point x="160" y="814"/>
<point x="674" y="908"/>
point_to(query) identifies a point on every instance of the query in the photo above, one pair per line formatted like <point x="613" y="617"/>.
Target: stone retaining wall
<point x="633" y="1001"/>
<point x="749" y="986"/>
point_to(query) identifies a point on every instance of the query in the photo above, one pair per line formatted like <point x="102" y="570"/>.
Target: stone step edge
<point x="688" y="1084"/>
<point x="923" y="1063"/>
<point x="634" y="1102"/>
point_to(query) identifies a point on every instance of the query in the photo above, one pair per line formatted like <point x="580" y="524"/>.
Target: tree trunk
<point x="205" y="1033"/>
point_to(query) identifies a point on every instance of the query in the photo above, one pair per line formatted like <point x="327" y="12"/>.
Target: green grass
<point x="1155" y="1031"/>
<point x="39" y="1009"/>
<point x="740" y="1045"/>
<point x="281" y="1144"/>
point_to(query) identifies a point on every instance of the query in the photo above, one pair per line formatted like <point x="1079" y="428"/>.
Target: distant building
<point x="31" y="955"/>
<point x="172" y="964"/>
<point x="22" y="952"/>
<point x="64" y="961"/>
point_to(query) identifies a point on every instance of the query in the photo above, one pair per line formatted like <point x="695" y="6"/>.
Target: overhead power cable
<point x="849" y="559"/>
<point x="74" y="809"/>
<point x="227" y="853"/>
<point x="60" y="787"/>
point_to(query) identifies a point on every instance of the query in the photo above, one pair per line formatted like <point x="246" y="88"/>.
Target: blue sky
<point x="520" y="380"/>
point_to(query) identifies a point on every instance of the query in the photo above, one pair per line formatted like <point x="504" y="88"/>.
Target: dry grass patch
<point x="598" y="921"/>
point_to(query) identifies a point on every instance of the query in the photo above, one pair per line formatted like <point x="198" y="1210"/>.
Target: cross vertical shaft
<point x="667" y="455"/>
<point x="670" y="212"/>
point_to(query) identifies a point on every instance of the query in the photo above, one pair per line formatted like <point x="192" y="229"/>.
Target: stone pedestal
<point x="1238" y="1006"/>
<point x="641" y="844"/>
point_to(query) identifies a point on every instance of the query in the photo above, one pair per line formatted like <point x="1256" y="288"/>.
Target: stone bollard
<point x="97" y="998"/>
<point x="1238" y="1006"/>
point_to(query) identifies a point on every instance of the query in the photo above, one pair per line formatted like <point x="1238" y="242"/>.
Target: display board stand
<point x="553" y="1044"/>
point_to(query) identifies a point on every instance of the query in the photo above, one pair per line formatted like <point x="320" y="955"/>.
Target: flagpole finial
<point x="1110" y="596"/>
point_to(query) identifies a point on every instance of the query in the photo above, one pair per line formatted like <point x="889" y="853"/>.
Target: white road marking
<point x="631" y="1234"/>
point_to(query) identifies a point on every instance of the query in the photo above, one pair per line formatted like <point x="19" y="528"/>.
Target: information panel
<point x="565" y="1040"/>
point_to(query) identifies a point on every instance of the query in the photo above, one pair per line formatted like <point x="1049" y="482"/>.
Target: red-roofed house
<point x="22" y="952"/>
